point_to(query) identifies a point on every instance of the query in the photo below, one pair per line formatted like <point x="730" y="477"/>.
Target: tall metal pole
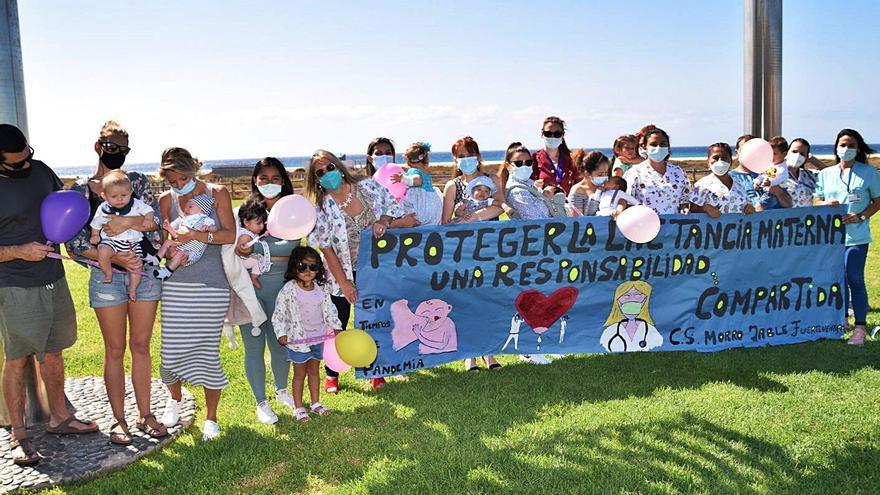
<point x="772" y="31"/>
<point x="762" y="64"/>
<point x="12" y="103"/>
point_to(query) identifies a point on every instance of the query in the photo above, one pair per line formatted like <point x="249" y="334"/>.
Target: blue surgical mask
<point x="188" y="188"/>
<point x="598" y="181"/>
<point x="846" y="154"/>
<point x="269" y="191"/>
<point x="657" y="153"/>
<point x="331" y="180"/>
<point x="522" y="174"/>
<point x="380" y="161"/>
<point x="469" y="164"/>
<point x="552" y="143"/>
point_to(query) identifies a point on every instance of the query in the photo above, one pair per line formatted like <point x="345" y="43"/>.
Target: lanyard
<point x="848" y="178"/>
<point x="557" y="167"/>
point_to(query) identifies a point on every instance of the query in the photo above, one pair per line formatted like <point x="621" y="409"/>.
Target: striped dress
<point x="194" y="304"/>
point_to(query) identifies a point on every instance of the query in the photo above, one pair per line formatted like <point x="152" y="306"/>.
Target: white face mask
<point x="846" y="154"/>
<point x="795" y="160"/>
<point x="380" y="161"/>
<point x="720" y="167"/>
<point x="269" y="191"/>
<point x="522" y="174"/>
<point x="643" y="153"/>
<point x="552" y="143"/>
<point x="657" y="153"/>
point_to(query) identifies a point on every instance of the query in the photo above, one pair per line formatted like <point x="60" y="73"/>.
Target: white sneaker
<point x="210" y="430"/>
<point x="265" y="413"/>
<point x="283" y="396"/>
<point x="171" y="415"/>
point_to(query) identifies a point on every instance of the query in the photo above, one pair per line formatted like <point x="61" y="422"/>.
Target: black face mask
<point x="113" y="161"/>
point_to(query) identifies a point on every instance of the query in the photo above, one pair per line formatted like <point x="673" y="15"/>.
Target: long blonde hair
<point x="180" y="161"/>
<point x="313" y="187"/>
<point x="617" y="315"/>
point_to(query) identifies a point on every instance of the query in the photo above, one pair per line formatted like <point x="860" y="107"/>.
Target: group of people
<point x="210" y="264"/>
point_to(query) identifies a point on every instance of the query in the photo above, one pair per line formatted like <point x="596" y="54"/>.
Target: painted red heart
<point x="541" y="311"/>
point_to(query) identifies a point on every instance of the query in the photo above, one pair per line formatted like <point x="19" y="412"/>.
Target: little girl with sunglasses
<point x="304" y="318"/>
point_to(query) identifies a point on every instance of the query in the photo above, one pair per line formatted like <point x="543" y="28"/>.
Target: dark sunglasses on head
<point x="113" y="148"/>
<point x="320" y="173"/>
<point x="21" y="163"/>
<point x="554" y="134"/>
<point x="523" y="163"/>
<point x="301" y="267"/>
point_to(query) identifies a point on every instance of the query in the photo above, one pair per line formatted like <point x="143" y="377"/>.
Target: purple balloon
<point x="63" y="214"/>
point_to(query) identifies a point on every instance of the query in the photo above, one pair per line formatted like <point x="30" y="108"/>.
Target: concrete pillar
<point x="12" y="102"/>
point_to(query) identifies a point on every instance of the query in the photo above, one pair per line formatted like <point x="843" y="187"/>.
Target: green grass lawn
<point x="793" y="419"/>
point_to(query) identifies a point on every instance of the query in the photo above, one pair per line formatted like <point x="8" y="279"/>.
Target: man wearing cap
<point x="37" y="316"/>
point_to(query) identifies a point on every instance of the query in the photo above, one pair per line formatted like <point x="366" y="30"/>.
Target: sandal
<point x="64" y="428"/>
<point x="495" y="366"/>
<point x="29" y="456"/>
<point x="119" y="433"/>
<point x="319" y="409"/>
<point x="154" y="431"/>
<point x="301" y="414"/>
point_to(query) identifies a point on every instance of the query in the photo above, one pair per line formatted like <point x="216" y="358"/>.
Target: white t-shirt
<point x="138" y="209"/>
<point x="608" y="201"/>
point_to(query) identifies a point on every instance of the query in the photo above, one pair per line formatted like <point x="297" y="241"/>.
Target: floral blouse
<point x="286" y="319"/>
<point x="801" y="189"/>
<point x="711" y="191"/>
<point x="664" y="194"/>
<point x="330" y="229"/>
<point x="140" y="187"/>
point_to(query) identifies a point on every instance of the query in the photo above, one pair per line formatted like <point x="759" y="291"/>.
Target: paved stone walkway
<point x="75" y="457"/>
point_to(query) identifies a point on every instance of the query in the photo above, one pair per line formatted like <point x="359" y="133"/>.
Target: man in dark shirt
<point x="37" y="316"/>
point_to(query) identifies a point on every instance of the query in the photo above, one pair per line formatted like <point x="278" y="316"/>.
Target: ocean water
<point x="680" y="152"/>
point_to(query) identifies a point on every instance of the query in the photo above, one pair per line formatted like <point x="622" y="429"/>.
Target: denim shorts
<point x="103" y="295"/>
<point x="316" y="352"/>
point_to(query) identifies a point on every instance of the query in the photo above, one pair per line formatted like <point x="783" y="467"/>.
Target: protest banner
<point x="432" y="295"/>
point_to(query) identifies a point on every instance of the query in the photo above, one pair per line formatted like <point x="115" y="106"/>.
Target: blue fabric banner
<point x="432" y="295"/>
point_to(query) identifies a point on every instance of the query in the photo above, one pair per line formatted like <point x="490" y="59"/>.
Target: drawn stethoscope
<point x="642" y="343"/>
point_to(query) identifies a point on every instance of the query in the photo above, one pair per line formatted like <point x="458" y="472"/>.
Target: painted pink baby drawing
<point x="430" y="325"/>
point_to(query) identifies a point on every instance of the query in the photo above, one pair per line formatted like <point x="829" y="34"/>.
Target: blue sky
<point x="231" y="79"/>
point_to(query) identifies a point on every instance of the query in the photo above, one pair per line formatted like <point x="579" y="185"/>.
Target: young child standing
<point x="252" y="217"/>
<point x="478" y="195"/>
<point x="118" y="200"/>
<point x="304" y="316"/>
<point x="196" y="216"/>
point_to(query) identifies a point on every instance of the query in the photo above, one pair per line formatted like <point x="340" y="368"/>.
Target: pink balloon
<point x="756" y="155"/>
<point x="291" y="218"/>
<point x="332" y="359"/>
<point x="639" y="224"/>
<point x="383" y="177"/>
<point x="540" y="330"/>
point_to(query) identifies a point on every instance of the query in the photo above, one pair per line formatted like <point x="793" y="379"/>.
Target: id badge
<point x="853" y="198"/>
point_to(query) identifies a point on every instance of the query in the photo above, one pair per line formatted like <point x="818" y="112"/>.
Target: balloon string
<point x="313" y="340"/>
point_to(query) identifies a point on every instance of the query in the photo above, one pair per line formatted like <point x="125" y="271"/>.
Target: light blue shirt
<point x="854" y="190"/>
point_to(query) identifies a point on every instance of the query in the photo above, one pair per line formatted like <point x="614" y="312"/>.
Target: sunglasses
<point x="328" y="168"/>
<point x="553" y="134"/>
<point x="113" y="148"/>
<point x="523" y="163"/>
<point x="301" y="267"/>
<point x="21" y="163"/>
